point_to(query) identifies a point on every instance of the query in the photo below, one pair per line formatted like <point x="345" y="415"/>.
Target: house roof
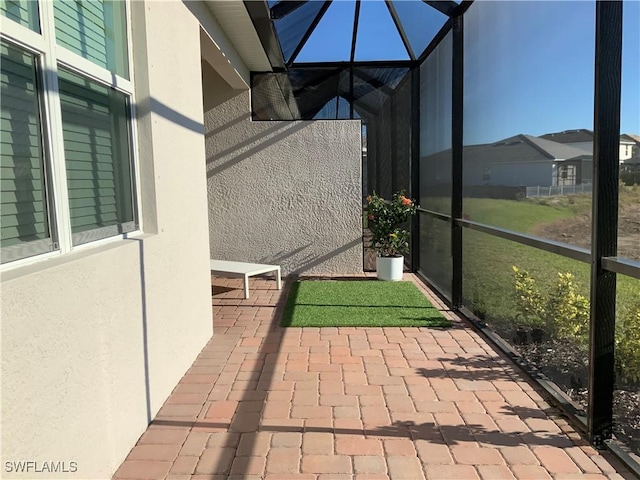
<point x="570" y="136"/>
<point x="521" y="148"/>
<point x="631" y="137"/>
<point x="556" y="150"/>
<point x="525" y="148"/>
<point x="237" y="26"/>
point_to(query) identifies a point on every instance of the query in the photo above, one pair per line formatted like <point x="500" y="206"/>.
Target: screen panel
<point x="528" y="117"/>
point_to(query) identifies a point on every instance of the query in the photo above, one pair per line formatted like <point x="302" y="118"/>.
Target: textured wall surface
<point x="94" y="341"/>
<point x="285" y="193"/>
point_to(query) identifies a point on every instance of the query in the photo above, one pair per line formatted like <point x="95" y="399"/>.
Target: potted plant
<point x="389" y="240"/>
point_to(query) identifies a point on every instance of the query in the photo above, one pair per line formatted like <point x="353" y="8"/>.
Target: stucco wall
<point x="285" y="193"/>
<point x="94" y="341"/>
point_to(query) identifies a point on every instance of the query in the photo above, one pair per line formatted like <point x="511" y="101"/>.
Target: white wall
<point x="285" y="193"/>
<point x="74" y="328"/>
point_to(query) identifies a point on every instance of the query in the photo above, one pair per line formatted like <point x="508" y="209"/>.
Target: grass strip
<point x="359" y="303"/>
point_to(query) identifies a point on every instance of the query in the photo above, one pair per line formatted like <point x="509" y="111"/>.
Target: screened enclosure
<point x="477" y="109"/>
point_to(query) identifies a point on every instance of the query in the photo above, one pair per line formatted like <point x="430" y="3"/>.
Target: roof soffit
<point x="236" y="24"/>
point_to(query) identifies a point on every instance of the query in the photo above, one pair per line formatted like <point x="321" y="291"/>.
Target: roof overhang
<point x="235" y="37"/>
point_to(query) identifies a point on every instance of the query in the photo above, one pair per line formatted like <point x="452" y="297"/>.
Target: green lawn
<point x="487" y="260"/>
<point x="520" y="216"/>
<point x="488" y="278"/>
<point x="359" y="303"/>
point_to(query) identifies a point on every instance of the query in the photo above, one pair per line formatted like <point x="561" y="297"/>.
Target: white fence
<point x="540" y="191"/>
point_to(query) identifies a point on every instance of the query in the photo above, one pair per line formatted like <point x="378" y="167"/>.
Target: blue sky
<point x="528" y="64"/>
<point x="529" y="68"/>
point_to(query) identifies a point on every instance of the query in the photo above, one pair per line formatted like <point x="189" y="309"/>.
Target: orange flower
<point x="371" y="217"/>
<point x="369" y="199"/>
<point x="405" y="200"/>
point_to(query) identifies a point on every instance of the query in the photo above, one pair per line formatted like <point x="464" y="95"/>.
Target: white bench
<point x="246" y="269"/>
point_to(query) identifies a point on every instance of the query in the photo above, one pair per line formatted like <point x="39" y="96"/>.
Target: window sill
<point x="37" y="264"/>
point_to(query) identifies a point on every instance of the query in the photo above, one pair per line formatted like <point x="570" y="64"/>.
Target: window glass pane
<point x="542" y="309"/>
<point x="337" y="108"/>
<point x="96" y="30"/>
<point x="629" y="205"/>
<point x="292" y="27"/>
<point x="626" y="399"/>
<point x="96" y="144"/>
<point x="378" y="37"/>
<point x="528" y="117"/>
<point x="314" y="87"/>
<point x="25" y="12"/>
<point x="271" y="96"/>
<point x="331" y="39"/>
<point x="435" y="128"/>
<point x="420" y="21"/>
<point x="25" y="223"/>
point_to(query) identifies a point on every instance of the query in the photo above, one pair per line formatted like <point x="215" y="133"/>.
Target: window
<point x="67" y="169"/>
<point x="95" y="30"/>
<point x="564" y="172"/>
<point x="96" y="150"/>
<point x="25" y="217"/>
<point x="24" y="12"/>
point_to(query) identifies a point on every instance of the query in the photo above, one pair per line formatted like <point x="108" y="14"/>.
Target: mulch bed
<point x="565" y="364"/>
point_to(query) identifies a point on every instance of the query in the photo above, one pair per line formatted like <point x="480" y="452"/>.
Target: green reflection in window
<point x="25" y="229"/>
<point x="25" y="12"/>
<point x="96" y="30"/>
<point x="96" y="139"/>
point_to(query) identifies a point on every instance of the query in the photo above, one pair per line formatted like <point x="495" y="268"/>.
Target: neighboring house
<point x="128" y="160"/>
<point x="525" y="160"/>
<point x="583" y="139"/>
<point x="521" y="160"/>
<point x="631" y="145"/>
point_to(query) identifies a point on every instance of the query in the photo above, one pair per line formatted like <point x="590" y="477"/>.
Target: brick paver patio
<point x="263" y="402"/>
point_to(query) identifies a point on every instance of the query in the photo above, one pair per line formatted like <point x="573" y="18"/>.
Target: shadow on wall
<point x="286" y="192"/>
<point x="307" y="261"/>
<point x="229" y="124"/>
<point x="250" y="146"/>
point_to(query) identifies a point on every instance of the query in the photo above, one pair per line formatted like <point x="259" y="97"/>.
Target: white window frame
<point x="50" y="57"/>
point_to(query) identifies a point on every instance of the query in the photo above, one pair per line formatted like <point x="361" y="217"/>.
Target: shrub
<point x="565" y="314"/>
<point x="530" y="304"/>
<point x="385" y="218"/>
<point x="630" y="177"/>
<point x="627" y="345"/>
<point x="569" y="311"/>
<point x="561" y="311"/>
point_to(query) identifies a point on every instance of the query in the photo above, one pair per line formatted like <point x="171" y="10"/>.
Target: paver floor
<point x="265" y="402"/>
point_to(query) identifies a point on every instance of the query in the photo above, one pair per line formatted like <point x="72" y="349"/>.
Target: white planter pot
<point x="389" y="268"/>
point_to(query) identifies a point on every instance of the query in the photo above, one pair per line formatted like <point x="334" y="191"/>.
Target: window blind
<point x="24" y="227"/>
<point x="96" y="30"/>
<point x="97" y="157"/>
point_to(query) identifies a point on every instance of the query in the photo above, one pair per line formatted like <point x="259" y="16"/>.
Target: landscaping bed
<point x="565" y="365"/>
